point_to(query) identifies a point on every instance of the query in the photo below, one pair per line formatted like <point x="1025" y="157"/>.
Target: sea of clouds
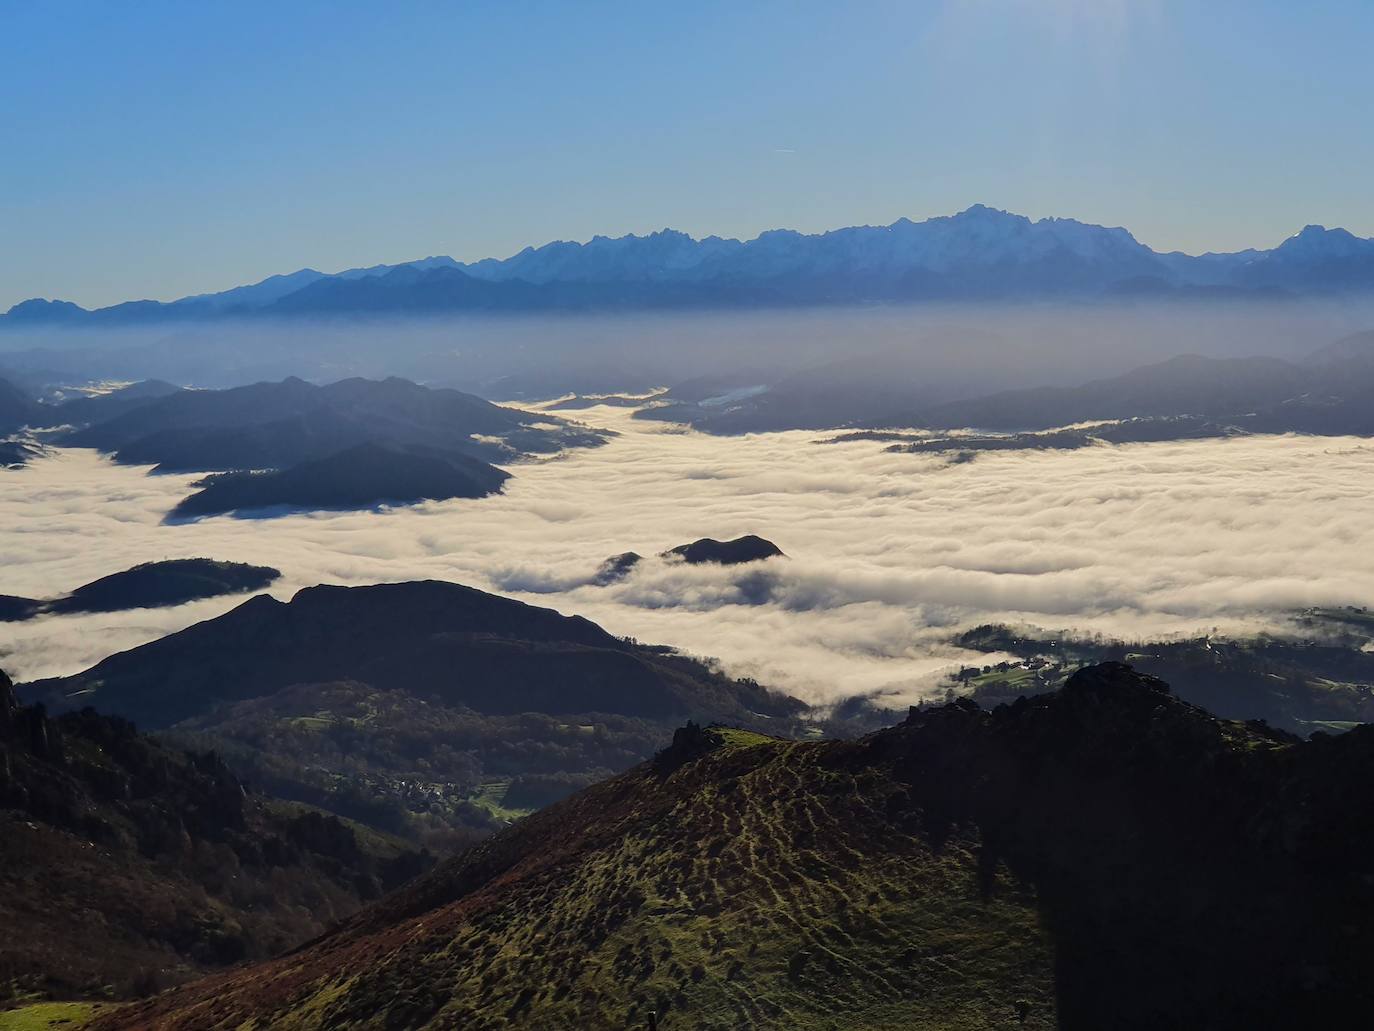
<point x="888" y="554"/>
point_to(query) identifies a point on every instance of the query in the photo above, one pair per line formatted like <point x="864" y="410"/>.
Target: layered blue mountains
<point x="980" y="253"/>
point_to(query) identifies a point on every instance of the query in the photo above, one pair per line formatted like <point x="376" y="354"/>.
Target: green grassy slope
<point x="52" y="1016"/>
<point x="759" y="886"/>
<point x="1106" y="856"/>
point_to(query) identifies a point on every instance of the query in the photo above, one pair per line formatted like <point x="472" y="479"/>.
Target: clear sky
<point x="158" y="149"/>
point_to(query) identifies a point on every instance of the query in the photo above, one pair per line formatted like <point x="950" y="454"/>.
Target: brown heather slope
<point x="1103" y="857"/>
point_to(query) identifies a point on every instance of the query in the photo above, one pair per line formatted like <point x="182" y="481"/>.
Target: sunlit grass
<point x="52" y="1016"/>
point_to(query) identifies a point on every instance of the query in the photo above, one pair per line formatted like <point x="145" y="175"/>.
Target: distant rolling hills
<point x="1330" y="392"/>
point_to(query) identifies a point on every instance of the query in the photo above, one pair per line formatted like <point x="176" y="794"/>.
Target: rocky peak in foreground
<point x="1104" y="856"/>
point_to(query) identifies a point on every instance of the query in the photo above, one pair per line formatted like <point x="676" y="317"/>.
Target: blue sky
<point x="155" y="150"/>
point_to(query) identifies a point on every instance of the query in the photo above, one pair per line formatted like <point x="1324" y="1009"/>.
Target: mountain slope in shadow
<point x="441" y="641"/>
<point x="275" y="425"/>
<point x="146" y="586"/>
<point x="358" y="477"/>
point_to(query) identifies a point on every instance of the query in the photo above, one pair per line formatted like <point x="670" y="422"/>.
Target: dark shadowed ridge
<point x="439" y="641"/>
<point x="149" y="585"/>
<point x="352" y="444"/>
<point x="359" y="477"/>
<point x="170" y="582"/>
<point x="1104" y="856"/>
<point x="616" y="568"/>
<point x="275" y="425"/>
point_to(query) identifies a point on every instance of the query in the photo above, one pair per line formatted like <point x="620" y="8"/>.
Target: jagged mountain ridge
<point x="1105" y="856"/>
<point x="980" y="252"/>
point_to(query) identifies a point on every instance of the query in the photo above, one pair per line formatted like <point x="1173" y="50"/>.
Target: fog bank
<point x="888" y="554"/>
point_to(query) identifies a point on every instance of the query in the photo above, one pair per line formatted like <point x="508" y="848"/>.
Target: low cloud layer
<point x="888" y="554"/>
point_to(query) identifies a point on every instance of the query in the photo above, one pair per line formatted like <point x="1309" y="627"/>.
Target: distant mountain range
<point x="979" y="253"/>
